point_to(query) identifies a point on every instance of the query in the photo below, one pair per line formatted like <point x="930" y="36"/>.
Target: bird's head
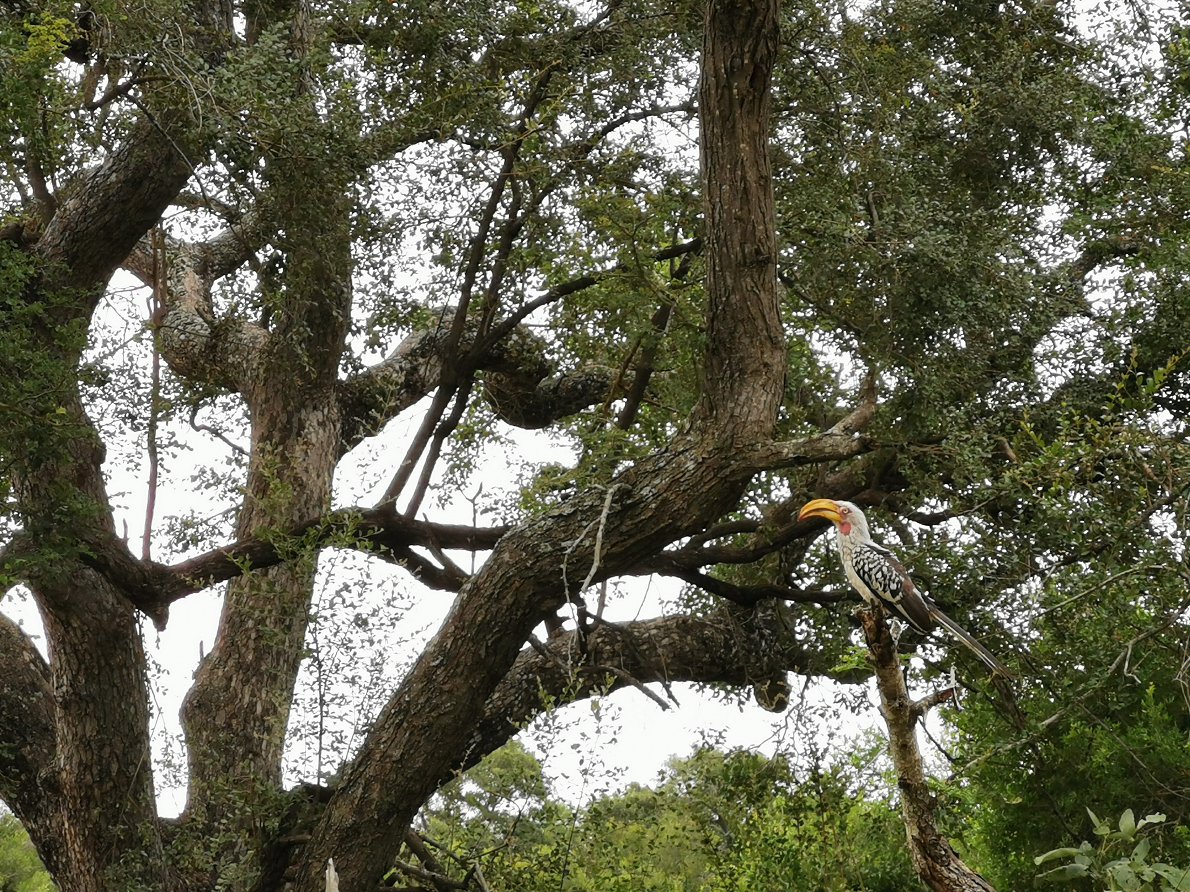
<point x="846" y="517"/>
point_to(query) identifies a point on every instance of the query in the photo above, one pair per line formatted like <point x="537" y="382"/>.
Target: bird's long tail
<point x="974" y="646"/>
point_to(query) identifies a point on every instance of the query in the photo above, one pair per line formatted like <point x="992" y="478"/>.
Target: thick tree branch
<point x="743" y="314"/>
<point x="418" y="365"/>
<point x="1096" y="254"/>
<point x="152" y="587"/>
<point x="113" y="205"/>
<point x="196" y="343"/>
<point x="104" y="213"/>
<point x="672" y="493"/>
<point x="532" y="404"/>
<point x="731" y="646"/>
<point x="841" y="440"/>
<point x="28" y="760"/>
<point x="522" y="385"/>
<point x="237" y="710"/>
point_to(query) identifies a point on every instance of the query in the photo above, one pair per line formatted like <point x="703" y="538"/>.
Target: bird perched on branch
<point x="881" y="579"/>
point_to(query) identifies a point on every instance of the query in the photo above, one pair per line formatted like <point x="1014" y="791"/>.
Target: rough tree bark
<point x="27" y="705"/>
<point x="938" y="865"/>
<point x="100" y="825"/>
<point x="673" y="493"/>
<point x="76" y="767"/>
<point x="236" y="714"/>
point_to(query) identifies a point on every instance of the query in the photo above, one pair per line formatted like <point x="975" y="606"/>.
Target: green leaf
<point x="1156" y="818"/>
<point x="1061" y="874"/>
<point x="1141" y="852"/>
<point x="1101" y="828"/>
<point x="1176" y="879"/>
<point x="1127" y="824"/>
<point x="1056" y="853"/>
<point x="1123" y="877"/>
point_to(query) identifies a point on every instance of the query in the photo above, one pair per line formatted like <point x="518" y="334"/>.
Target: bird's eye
<point x="844" y="510"/>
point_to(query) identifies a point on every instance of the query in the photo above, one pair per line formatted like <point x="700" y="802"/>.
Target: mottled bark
<point x="99" y="827"/>
<point x="111" y="207"/>
<point x="236" y="713"/>
<point x="96" y="827"/>
<point x="743" y="319"/>
<point x="938" y="865"/>
<point x="28" y="776"/>
<point x="423" y="731"/>
<point x="198" y="346"/>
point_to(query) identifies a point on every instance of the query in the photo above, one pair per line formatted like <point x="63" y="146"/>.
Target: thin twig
<point x="1131" y="571"/>
<point x="444" y="429"/>
<point x="207" y="429"/>
<point x="156" y="305"/>
<point x="607" y="507"/>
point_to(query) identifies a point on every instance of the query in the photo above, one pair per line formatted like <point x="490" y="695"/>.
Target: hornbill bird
<point x="882" y="580"/>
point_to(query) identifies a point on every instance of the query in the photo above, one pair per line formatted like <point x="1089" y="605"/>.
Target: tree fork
<point x="424" y="730"/>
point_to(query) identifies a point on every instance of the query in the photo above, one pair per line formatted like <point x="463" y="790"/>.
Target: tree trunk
<point x="236" y="714"/>
<point x="747" y="344"/>
<point x="102" y="769"/>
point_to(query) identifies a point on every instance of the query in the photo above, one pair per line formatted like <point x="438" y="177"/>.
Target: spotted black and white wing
<point x="888" y="584"/>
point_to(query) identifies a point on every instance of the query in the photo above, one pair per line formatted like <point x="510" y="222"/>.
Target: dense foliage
<point x="349" y="307"/>
<point x="713" y="822"/>
<point x="20" y="869"/>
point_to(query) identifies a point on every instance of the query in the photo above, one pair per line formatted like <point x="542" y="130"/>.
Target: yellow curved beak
<point x="827" y="508"/>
